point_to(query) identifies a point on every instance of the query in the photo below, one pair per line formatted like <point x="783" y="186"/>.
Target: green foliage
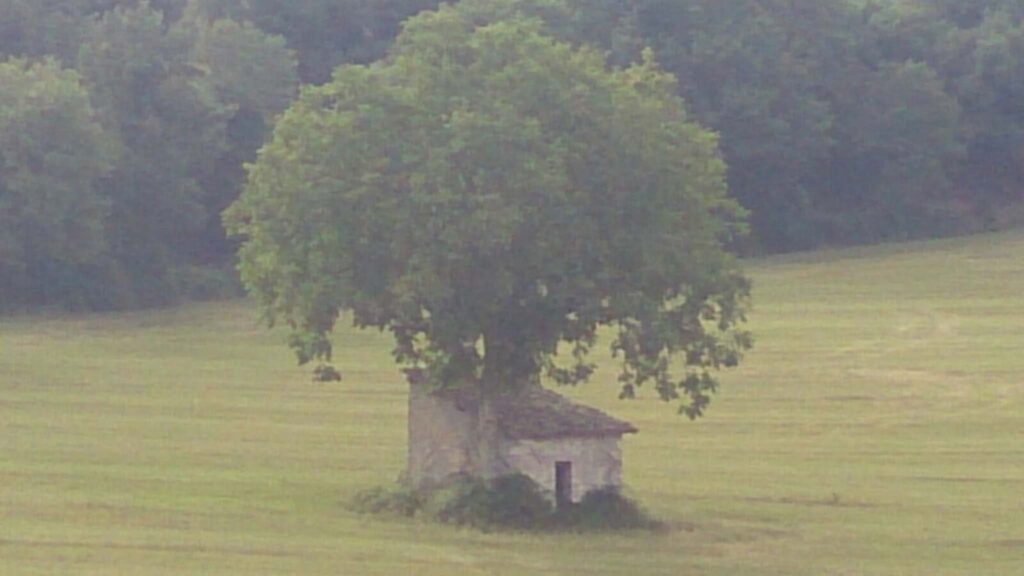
<point x="34" y="28"/>
<point x="841" y="121"/>
<point x="991" y="89"/>
<point x="488" y="193"/>
<point x="977" y="49"/>
<point x="897" y="149"/>
<point x="183" y="103"/>
<point x="508" y="502"/>
<point x="188" y="104"/>
<point x="53" y="206"/>
<point x="394" y="500"/>
<point x="757" y="75"/>
<point x="56" y="28"/>
<point x="326" y="373"/>
<point x="456" y="502"/>
<point x="246" y="67"/>
<point x="170" y="126"/>
<point x="201" y="283"/>
<point x="604" y="509"/>
<point x="513" y="502"/>
<point x="255" y="76"/>
<point x="324" y="33"/>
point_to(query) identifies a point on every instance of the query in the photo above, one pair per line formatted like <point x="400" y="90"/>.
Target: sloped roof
<point x="535" y="413"/>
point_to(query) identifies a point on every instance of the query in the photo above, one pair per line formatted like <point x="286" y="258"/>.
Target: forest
<point x="126" y="126"/>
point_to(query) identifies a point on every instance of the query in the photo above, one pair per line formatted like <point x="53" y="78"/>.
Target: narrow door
<point x="563" y="483"/>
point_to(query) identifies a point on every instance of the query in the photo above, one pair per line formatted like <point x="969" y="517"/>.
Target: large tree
<point x="488" y="193"/>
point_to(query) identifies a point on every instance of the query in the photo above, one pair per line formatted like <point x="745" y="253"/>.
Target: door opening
<point x="563" y="483"/>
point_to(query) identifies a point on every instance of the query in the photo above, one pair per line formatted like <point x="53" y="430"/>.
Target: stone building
<point x="567" y="448"/>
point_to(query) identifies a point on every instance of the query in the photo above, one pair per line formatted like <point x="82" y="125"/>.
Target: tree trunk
<point x="488" y="462"/>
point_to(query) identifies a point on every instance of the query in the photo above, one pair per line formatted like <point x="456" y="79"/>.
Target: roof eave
<point x="618" y="434"/>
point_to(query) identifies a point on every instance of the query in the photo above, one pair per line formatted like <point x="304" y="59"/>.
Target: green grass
<point x="877" y="429"/>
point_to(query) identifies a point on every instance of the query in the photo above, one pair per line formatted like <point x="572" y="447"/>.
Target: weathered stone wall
<point x="596" y="462"/>
<point x="440" y="438"/>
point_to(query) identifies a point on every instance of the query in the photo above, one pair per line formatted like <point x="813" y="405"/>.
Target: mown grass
<point x="878" y="428"/>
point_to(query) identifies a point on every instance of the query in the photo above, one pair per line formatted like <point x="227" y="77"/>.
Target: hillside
<point x="875" y="429"/>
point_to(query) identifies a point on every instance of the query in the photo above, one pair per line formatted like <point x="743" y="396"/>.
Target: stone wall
<point x="440" y="438"/>
<point x="596" y="462"/>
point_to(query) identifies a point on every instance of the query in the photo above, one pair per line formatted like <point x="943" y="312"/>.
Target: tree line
<point x="125" y="125"/>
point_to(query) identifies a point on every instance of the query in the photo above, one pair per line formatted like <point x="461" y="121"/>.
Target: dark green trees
<point x="841" y="121"/>
<point x="189" y="103"/>
<point x="805" y="104"/>
<point x="54" y="206"/>
<point x="170" y="125"/>
<point x="324" y="33"/>
<point x="179" y="107"/>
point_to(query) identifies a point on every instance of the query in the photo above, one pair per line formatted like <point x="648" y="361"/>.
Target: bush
<point x="458" y="501"/>
<point x="515" y="502"/>
<point x="511" y="502"/>
<point x="604" y="509"/>
<point x="400" y="501"/>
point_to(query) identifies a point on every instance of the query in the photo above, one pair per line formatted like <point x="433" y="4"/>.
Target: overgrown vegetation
<point x="605" y="509"/>
<point x="512" y="502"/>
<point x="841" y="121"/>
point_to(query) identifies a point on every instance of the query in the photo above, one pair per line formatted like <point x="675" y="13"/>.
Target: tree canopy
<point x="53" y="157"/>
<point x="179" y="106"/>
<point x="487" y="193"/>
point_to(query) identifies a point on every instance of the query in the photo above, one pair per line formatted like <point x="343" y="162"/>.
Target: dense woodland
<point x="125" y="126"/>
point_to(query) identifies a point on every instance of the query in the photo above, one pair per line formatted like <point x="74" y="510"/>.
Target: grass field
<point x="877" y="429"/>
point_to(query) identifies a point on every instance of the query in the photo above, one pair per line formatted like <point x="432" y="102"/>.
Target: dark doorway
<point x="563" y="483"/>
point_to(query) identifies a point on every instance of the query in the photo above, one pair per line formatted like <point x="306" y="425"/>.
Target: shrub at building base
<point x="513" y="502"/>
<point x="604" y="509"/>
